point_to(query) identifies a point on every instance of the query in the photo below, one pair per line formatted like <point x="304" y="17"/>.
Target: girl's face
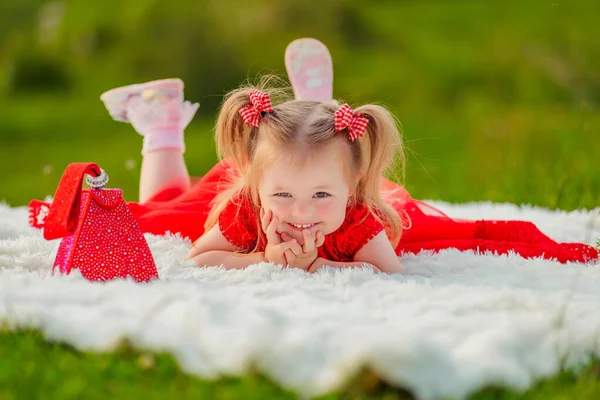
<point x="312" y="197"/>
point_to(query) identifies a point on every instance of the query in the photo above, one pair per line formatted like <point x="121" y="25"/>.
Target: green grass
<point x="32" y="368"/>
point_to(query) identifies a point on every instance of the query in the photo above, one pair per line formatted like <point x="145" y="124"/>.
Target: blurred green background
<point x="498" y="99"/>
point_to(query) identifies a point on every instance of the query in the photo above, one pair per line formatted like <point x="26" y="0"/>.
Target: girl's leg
<point x="310" y="69"/>
<point x="157" y="111"/>
<point x="159" y="168"/>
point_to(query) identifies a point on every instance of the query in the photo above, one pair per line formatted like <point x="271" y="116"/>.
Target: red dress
<point x="172" y="209"/>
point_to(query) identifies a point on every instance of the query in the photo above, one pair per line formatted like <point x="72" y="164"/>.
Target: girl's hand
<point x="276" y="247"/>
<point x="303" y="257"/>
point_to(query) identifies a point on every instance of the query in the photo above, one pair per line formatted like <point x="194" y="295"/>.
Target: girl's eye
<point x="283" y="194"/>
<point x="321" y="195"/>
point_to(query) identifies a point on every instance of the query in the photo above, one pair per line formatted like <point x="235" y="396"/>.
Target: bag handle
<point x="64" y="212"/>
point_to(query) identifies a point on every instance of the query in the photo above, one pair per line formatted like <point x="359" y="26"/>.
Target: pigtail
<point x="381" y="149"/>
<point x="234" y="140"/>
<point x="241" y="113"/>
<point x="233" y="137"/>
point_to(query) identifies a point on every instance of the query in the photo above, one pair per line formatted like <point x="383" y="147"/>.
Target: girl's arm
<point x="211" y="240"/>
<point x="378" y="252"/>
<point x="213" y="249"/>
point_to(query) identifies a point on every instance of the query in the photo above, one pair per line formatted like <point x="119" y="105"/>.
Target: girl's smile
<point x="310" y="195"/>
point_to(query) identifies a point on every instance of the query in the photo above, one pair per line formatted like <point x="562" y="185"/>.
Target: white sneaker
<point x="156" y="110"/>
<point x="116" y="99"/>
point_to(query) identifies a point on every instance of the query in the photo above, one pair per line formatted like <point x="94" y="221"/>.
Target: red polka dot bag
<point x="99" y="234"/>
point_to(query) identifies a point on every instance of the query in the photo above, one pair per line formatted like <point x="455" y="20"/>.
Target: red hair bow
<point x="261" y="102"/>
<point x="345" y="118"/>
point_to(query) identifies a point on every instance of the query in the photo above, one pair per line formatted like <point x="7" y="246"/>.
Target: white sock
<point x="161" y="122"/>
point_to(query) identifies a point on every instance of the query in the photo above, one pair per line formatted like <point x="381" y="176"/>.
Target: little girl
<point x="300" y="183"/>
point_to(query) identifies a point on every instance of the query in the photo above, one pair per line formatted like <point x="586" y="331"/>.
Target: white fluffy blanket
<point x="451" y="324"/>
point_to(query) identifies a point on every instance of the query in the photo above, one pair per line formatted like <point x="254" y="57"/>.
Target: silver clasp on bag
<point x="97" y="182"/>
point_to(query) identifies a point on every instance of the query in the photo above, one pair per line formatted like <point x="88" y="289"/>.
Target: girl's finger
<point x="285" y="236"/>
<point x="282" y="247"/>
<point x="289" y="255"/>
<point x="309" y="241"/>
<point x="320" y="239"/>
<point x="271" y="232"/>
<point x="295" y="247"/>
<point x="264" y="219"/>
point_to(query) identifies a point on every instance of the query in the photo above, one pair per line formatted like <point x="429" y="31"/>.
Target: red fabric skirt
<point x="174" y="208"/>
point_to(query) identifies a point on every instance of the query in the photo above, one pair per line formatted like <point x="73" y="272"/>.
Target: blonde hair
<point x="302" y="125"/>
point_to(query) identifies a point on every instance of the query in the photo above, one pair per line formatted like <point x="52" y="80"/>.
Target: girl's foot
<point x="309" y="69"/>
<point x="116" y="99"/>
<point x="155" y="109"/>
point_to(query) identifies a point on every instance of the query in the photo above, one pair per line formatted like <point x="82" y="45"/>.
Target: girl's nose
<point x="300" y="209"/>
